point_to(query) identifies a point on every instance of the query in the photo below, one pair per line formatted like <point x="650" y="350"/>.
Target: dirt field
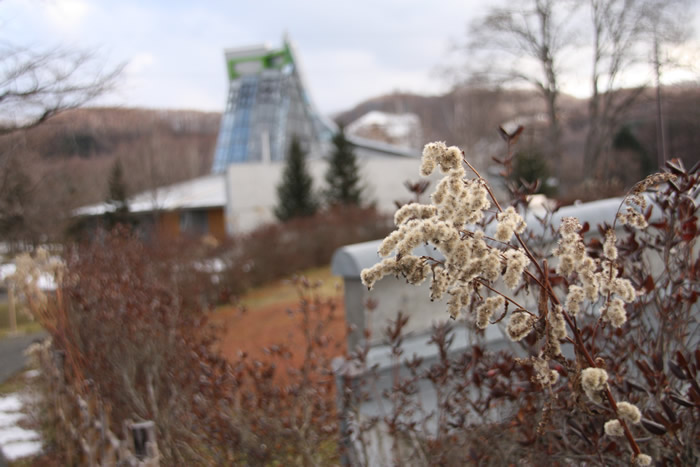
<point x="270" y="316"/>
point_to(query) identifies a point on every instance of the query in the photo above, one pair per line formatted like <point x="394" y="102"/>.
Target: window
<point x="194" y="222"/>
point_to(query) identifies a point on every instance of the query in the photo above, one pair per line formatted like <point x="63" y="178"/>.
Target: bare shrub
<point x="131" y="340"/>
<point x="280" y="250"/>
<point x="573" y="399"/>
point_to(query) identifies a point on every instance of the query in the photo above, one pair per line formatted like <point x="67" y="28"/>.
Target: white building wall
<point x="252" y="187"/>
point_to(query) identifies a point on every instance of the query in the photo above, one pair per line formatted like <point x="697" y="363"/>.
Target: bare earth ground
<point x="266" y="317"/>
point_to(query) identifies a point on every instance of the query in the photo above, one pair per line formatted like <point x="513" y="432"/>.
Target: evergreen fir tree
<point x="295" y="194"/>
<point x="343" y="175"/>
<point x="116" y="197"/>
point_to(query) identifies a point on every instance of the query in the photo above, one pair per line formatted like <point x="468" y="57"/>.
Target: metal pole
<point x="11" y="307"/>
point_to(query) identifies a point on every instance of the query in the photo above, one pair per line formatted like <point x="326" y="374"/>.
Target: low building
<point x="268" y="104"/>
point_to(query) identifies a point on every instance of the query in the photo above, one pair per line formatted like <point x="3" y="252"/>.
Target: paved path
<point x="12" y="358"/>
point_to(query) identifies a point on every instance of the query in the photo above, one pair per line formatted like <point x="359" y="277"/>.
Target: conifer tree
<point x="116" y="197"/>
<point x="295" y="192"/>
<point x="343" y="175"/>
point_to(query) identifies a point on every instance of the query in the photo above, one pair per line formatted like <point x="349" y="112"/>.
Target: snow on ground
<point x="16" y="442"/>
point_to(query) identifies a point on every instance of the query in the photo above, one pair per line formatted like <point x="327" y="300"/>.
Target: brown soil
<point x="253" y="330"/>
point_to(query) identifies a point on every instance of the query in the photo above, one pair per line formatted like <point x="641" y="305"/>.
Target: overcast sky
<point x="350" y="50"/>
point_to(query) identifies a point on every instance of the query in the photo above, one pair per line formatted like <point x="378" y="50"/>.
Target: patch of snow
<point x="8" y="419"/>
<point x="15" y="441"/>
<point x="14" y="451"/>
<point x="10" y="403"/>
<point x="31" y="374"/>
<point x="13" y="434"/>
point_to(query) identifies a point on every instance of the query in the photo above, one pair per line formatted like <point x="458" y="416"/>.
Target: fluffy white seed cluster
<point x="614" y="312"/>
<point x="572" y="256"/>
<point x="614" y="308"/>
<point x="509" y="222"/>
<point x="460" y="201"/>
<point x="414" y="211"/>
<point x="543" y="374"/>
<point x="439" y="154"/>
<point x="487" y="309"/>
<point x="613" y="428"/>
<point x="593" y="381"/>
<point x="456" y="202"/>
<point x="636" y="203"/>
<point x="629" y="412"/>
<point x="642" y="460"/>
<point x="609" y="248"/>
<point x="558" y="323"/>
<point x="516" y="262"/>
<point x="520" y="325"/>
<point x="460" y="298"/>
<point x="557" y="329"/>
<point x="574" y="298"/>
<point x="413" y="268"/>
<point x="573" y="259"/>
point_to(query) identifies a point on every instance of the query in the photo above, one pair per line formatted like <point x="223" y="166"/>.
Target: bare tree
<point x="616" y="32"/>
<point x="666" y="22"/>
<point x="621" y="32"/>
<point x="537" y="31"/>
<point x="35" y="85"/>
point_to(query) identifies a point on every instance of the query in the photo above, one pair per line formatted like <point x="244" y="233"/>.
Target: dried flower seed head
<point x="574" y="299"/>
<point x="491" y="265"/>
<point x="520" y="325"/>
<point x="441" y="281"/>
<point x="566" y="265"/>
<point x="615" y="313"/>
<point x="390" y="242"/>
<point x="450" y="159"/>
<point x="509" y="222"/>
<point x="516" y="262"/>
<point x="433" y="151"/>
<point x="414" y="211"/>
<point x="427" y="167"/>
<point x="593" y="381"/>
<point x="543" y="374"/>
<point x="438" y="196"/>
<point x="623" y="288"/>
<point x="633" y="218"/>
<point x="569" y="226"/>
<point x="487" y="309"/>
<point x="642" y="460"/>
<point x="614" y="428"/>
<point x="652" y="180"/>
<point x="558" y="323"/>
<point x="629" y="412"/>
<point x="609" y="248"/>
<point x="454" y="306"/>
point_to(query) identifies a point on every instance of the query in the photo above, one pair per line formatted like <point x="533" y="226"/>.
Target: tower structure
<point x="267" y="104"/>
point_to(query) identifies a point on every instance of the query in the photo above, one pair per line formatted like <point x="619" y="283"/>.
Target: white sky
<point x="350" y="51"/>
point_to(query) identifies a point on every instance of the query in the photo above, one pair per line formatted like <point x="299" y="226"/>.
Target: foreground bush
<point x="609" y="327"/>
<point x="129" y="339"/>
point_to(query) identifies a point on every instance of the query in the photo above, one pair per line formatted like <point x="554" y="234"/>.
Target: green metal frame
<point x="267" y="61"/>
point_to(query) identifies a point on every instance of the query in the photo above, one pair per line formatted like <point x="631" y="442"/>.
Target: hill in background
<point x="65" y="163"/>
<point x="469" y="117"/>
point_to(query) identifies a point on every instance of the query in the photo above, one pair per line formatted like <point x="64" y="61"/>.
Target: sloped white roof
<point x="396" y="125"/>
<point x="203" y="192"/>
